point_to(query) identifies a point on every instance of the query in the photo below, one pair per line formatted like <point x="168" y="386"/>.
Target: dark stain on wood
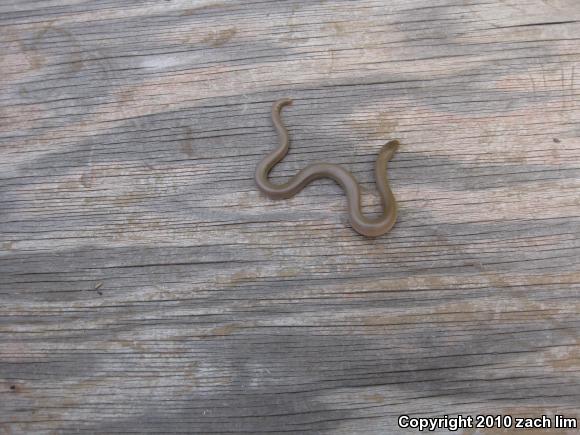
<point x="219" y="37"/>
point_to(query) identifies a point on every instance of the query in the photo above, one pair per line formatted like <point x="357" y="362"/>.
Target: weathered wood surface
<point x="148" y="287"/>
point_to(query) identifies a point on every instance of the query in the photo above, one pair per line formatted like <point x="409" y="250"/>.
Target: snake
<point x="366" y="226"/>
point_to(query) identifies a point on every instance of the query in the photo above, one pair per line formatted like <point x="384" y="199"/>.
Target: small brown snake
<point x="360" y="223"/>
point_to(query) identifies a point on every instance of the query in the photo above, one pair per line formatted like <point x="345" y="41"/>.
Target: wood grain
<point x="148" y="287"/>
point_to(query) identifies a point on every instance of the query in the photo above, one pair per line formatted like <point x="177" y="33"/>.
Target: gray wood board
<point x="146" y="286"/>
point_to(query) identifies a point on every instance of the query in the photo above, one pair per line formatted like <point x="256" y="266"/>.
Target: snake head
<point x="392" y="145"/>
<point x="389" y="149"/>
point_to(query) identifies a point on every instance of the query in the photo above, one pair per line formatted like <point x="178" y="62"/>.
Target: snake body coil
<point x="360" y="223"/>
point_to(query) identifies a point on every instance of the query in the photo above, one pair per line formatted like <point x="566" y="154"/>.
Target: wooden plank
<point x="148" y="287"/>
